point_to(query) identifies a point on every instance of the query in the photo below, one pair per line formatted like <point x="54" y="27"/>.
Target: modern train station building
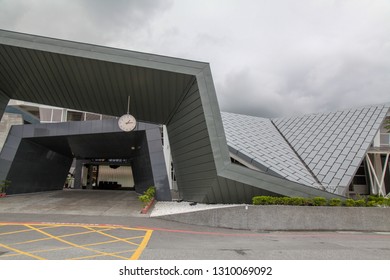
<point x="61" y="101"/>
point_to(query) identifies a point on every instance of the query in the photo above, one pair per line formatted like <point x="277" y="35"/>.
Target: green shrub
<point x="148" y="195"/>
<point x="370" y="201"/>
<point x="4" y="185"/>
<point x="308" y="202"/>
<point x="371" y="204"/>
<point x="319" y="201"/>
<point x="360" y="203"/>
<point x="144" y="198"/>
<point x="349" y="202"/>
<point x="376" y="199"/>
<point x="335" y="202"/>
<point x="298" y="201"/>
<point x="282" y="200"/>
<point x="266" y="200"/>
<point x="151" y="191"/>
<point x="260" y="200"/>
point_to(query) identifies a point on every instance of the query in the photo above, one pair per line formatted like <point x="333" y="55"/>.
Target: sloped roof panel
<point x="259" y="140"/>
<point x="333" y="144"/>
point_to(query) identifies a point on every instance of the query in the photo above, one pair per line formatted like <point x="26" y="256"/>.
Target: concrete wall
<point x="276" y="218"/>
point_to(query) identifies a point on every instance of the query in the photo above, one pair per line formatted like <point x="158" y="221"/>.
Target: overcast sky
<point x="269" y="58"/>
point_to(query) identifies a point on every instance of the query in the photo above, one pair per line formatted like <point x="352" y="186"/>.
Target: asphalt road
<point x="103" y="236"/>
<point x="169" y="240"/>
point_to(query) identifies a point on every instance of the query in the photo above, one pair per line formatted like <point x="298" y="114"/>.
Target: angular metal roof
<point x="164" y="90"/>
<point x="334" y="144"/>
<point x="319" y="150"/>
<point x="258" y="141"/>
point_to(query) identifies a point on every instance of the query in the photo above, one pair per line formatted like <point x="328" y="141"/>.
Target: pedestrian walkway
<point x="75" y="202"/>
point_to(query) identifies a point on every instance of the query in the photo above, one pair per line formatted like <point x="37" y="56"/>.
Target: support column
<point x="377" y="172"/>
<point x="78" y="173"/>
<point x="89" y="176"/>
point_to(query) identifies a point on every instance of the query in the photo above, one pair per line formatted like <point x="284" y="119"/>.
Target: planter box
<point x="147" y="207"/>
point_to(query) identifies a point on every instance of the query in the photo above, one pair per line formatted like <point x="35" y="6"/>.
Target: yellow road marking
<point x="142" y="246"/>
<point x="70" y="225"/>
<point x="111" y="236"/>
<point x="94" y="256"/>
<point x="38" y="227"/>
<point x="23" y="230"/>
<point x="21" y="252"/>
<point x="73" y="244"/>
<point x="70" y="247"/>
<point x="48" y="238"/>
<point x="38" y="251"/>
<point x="111" y="241"/>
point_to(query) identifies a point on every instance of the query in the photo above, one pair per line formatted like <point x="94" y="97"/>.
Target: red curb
<point x="147" y="207"/>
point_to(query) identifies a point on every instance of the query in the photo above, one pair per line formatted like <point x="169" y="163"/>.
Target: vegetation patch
<point x="148" y="195"/>
<point x="369" y="201"/>
<point x="4" y="185"/>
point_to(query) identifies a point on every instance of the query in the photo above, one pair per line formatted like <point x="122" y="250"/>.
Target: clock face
<point x="127" y="122"/>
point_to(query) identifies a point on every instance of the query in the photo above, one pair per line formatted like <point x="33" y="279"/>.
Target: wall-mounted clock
<point x="127" y="122"/>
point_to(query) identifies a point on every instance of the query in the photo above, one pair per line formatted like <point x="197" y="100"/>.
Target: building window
<point x="56" y="115"/>
<point x="74" y="116"/>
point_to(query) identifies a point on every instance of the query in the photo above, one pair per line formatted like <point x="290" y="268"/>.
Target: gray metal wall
<point x="36" y="168"/>
<point x="143" y="176"/>
<point x="157" y="162"/>
<point x="34" y="161"/>
<point x="190" y="147"/>
<point x="3" y="102"/>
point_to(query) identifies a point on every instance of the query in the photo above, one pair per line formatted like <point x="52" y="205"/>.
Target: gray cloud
<point x="268" y="58"/>
<point x="94" y="21"/>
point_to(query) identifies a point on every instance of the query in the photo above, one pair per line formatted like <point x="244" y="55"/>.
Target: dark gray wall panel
<point x="91" y="139"/>
<point x="36" y="168"/>
<point x="142" y="169"/>
<point x="3" y="102"/>
<point x="194" y="174"/>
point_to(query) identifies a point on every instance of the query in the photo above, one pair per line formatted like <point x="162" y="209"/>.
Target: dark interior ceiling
<point x="90" y="85"/>
<point x="104" y="145"/>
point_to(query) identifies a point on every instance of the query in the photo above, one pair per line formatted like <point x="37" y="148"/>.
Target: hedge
<point x="370" y="201"/>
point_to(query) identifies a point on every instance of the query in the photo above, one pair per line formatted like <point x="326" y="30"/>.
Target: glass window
<point x="92" y="117"/>
<point x="74" y="116"/>
<point x="57" y="115"/>
<point x="45" y="114"/>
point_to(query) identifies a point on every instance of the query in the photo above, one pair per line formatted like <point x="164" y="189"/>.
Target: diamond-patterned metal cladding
<point x="328" y="147"/>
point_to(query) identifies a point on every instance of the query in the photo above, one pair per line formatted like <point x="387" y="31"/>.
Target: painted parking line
<point x="71" y="241"/>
